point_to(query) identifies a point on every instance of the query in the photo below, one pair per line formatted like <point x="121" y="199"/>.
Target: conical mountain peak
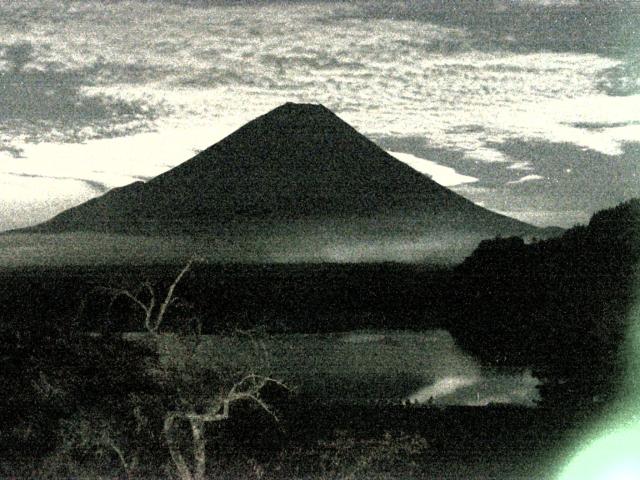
<point x="295" y="170"/>
<point x="292" y="108"/>
<point x="291" y="117"/>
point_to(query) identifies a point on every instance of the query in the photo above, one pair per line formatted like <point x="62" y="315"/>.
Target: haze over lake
<point x="363" y="367"/>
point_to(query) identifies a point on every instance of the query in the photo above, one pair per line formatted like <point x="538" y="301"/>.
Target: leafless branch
<point x="217" y="409"/>
<point x="123" y="460"/>
<point x="119" y="292"/>
<point x="169" y="297"/>
<point x="151" y="323"/>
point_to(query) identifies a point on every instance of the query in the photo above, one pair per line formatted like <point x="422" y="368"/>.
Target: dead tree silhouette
<point x="190" y="405"/>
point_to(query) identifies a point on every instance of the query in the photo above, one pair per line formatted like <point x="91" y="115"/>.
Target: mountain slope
<point x="295" y="178"/>
<point x="295" y="162"/>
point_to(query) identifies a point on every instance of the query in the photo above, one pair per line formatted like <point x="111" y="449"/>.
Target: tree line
<point x="560" y="305"/>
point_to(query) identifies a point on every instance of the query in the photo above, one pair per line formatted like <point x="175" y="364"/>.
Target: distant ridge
<point x="298" y="171"/>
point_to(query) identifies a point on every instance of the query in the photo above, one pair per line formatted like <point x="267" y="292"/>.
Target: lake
<point x="366" y="366"/>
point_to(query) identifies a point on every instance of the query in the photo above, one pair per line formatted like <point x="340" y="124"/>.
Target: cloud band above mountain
<point x="465" y="77"/>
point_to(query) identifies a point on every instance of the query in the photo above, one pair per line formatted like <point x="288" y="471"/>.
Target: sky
<point x="526" y="107"/>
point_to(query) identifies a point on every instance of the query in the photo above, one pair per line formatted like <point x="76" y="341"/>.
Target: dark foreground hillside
<point x="315" y="441"/>
<point x="78" y="405"/>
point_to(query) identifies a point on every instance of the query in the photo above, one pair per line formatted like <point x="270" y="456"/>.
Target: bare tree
<point x="192" y="405"/>
<point x="246" y="389"/>
<point x="153" y="314"/>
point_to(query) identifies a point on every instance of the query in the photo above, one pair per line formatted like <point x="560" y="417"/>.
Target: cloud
<point x="99" y="187"/>
<point x="580" y="178"/>
<point x="371" y="68"/>
<point x="445" y="176"/>
<point x="25" y="200"/>
<point x="600" y="126"/>
<point x="46" y="103"/>
<point x="524" y="26"/>
<point x="6" y="146"/>
<point x="622" y="80"/>
<point x="35" y="188"/>
<point x="580" y="182"/>
<point x="526" y="178"/>
<point x="520" y="166"/>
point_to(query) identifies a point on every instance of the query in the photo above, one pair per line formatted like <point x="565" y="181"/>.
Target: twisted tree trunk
<point x="174" y="450"/>
<point x="199" y="448"/>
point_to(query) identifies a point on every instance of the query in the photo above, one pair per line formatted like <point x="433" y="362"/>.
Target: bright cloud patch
<point x="520" y="166"/>
<point x="28" y="200"/>
<point x="526" y="178"/>
<point x="51" y="177"/>
<point x="445" y="176"/>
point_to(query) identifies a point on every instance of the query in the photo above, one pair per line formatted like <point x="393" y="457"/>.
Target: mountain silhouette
<point x="298" y="171"/>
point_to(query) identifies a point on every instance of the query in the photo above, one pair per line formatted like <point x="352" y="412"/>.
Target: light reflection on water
<point x="491" y="386"/>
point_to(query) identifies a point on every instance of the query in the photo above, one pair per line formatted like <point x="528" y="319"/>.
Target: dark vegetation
<point x="559" y="306"/>
<point x="54" y="379"/>
<point x="285" y="297"/>
<point x="335" y="441"/>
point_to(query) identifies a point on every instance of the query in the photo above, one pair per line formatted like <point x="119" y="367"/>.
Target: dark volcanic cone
<point x="294" y="164"/>
<point x="296" y="184"/>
